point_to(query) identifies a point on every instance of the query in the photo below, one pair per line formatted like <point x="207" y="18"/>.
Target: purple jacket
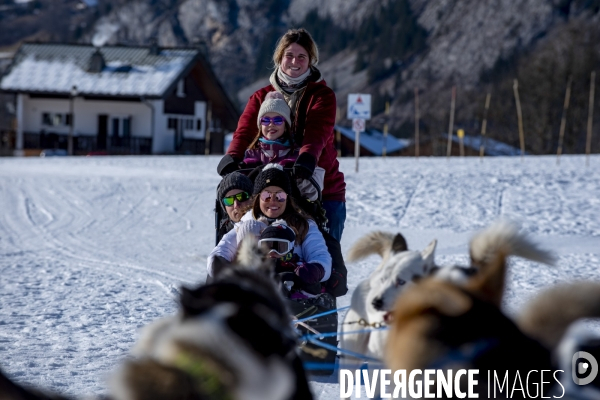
<point x="270" y="153"/>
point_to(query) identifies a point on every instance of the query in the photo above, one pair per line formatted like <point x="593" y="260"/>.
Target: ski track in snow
<point x="91" y="249"/>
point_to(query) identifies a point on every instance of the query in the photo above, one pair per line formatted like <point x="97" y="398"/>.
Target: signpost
<point x="359" y="110"/>
<point x="461" y="134"/>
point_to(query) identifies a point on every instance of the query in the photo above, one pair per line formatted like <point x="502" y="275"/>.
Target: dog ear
<point x="399" y="244"/>
<point x="251" y="256"/>
<point x="192" y="301"/>
<point x="429" y="256"/>
<point x="219" y="265"/>
<point x="488" y="283"/>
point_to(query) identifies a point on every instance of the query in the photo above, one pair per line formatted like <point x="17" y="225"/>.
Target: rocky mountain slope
<point x="389" y="48"/>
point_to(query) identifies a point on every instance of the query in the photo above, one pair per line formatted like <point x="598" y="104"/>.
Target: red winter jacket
<point x="313" y="123"/>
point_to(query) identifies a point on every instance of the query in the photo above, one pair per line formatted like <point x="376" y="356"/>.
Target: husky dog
<point x="440" y="324"/>
<point x="233" y="339"/>
<point x="374" y="298"/>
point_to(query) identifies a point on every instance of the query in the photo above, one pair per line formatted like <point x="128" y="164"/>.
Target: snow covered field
<point x="91" y="249"/>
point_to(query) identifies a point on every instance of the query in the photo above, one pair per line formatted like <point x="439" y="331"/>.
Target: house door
<point x="178" y="134"/>
<point x="102" y="131"/>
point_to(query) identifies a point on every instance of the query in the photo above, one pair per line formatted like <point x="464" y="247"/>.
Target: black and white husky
<point x="233" y="338"/>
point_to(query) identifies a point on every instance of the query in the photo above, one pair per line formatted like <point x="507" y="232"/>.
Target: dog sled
<point x="315" y="315"/>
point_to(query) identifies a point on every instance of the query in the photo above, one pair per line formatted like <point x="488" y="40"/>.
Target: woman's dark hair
<point x="286" y="132"/>
<point x="303" y="38"/>
<point x="293" y="216"/>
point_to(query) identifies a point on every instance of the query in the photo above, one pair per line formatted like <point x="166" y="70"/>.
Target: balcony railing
<point x="87" y="144"/>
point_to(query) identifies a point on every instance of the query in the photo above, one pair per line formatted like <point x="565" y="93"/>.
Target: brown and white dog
<point x="445" y="324"/>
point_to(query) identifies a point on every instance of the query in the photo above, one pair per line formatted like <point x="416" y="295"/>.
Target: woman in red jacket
<point x="313" y="107"/>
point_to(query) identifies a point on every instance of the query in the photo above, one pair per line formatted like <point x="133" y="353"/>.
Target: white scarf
<point x="289" y="81"/>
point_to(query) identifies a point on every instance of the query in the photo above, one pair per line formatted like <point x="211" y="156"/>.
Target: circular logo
<point x="579" y="367"/>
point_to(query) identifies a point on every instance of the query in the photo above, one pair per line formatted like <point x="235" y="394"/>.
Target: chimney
<point x="154" y="50"/>
<point x="97" y="63"/>
<point x="200" y="44"/>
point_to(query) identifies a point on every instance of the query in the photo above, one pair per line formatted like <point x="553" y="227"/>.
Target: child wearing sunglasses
<point x="234" y="194"/>
<point x="273" y="140"/>
<point x="309" y="258"/>
<point x="300" y="278"/>
<point x="273" y="143"/>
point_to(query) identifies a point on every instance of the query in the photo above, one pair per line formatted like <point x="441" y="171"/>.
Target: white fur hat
<point x="274" y="102"/>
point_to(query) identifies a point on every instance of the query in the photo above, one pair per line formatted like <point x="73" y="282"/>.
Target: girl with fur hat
<point x="310" y="260"/>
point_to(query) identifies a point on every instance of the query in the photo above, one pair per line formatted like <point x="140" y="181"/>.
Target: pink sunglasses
<point x="279" y="196"/>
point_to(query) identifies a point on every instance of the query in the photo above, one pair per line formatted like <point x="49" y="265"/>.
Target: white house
<point x="117" y="99"/>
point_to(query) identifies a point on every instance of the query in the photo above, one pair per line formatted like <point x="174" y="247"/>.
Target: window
<point x="180" y="88"/>
<point x="188" y="124"/>
<point x="172" y="123"/>
<point x="126" y="127"/>
<point x="199" y="125"/>
<point x="120" y="126"/>
<point x="56" y="119"/>
<point x="115" y="127"/>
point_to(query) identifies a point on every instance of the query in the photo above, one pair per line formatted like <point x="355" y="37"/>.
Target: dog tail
<point x="548" y="315"/>
<point x="377" y="242"/>
<point x="504" y="236"/>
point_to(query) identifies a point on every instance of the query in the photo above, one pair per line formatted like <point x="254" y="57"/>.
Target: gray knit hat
<point x="274" y="102"/>
<point x="234" y="180"/>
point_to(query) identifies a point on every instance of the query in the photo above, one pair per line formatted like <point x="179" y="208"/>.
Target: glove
<point x="227" y="165"/>
<point x="250" y="227"/>
<point x="287" y="265"/>
<point x="305" y="166"/>
<point x="289" y="277"/>
<point x="310" y="273"/>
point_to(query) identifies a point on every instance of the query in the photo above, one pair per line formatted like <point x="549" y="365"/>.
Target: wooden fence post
<point x="484" y="126"/>
<point x="588" y="142"/>
<point x="208" y="129"/>
<point x="385" y="128"/>
<point x="451" y="126"/>
<point x="417" y="123"/>
<point x="519" y="117"/>
<point x="563" y="121"/>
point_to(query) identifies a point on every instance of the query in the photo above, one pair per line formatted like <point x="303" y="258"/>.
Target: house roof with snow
<point x="492" y="147"/>
<point x="107" y="71"/>
<point x="372" y="140"/>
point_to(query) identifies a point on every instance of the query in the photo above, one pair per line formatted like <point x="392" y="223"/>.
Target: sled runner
<point x="335" y="286"/>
